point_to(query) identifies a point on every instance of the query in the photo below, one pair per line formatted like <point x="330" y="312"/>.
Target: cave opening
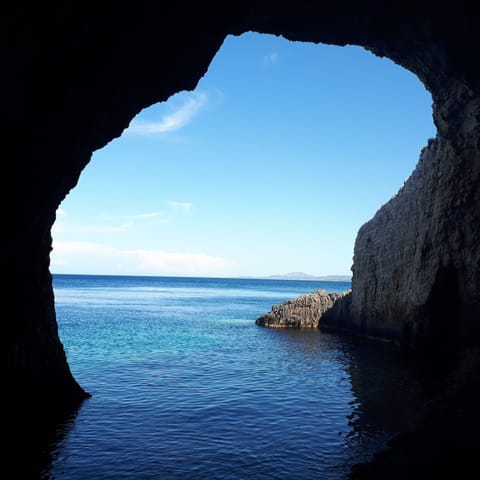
<point x="75" y="75"/>
<point x="283" y="136"/>
<point x="174" y="186"/>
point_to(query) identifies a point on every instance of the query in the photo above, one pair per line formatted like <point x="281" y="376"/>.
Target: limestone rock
<point x="304" y="311"/>
<point x="416" y="263"/>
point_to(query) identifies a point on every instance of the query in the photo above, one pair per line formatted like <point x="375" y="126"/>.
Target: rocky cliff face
<point x="416" y="263"/>
<point x="75" y="74"/>
<point x="305" y="311"/>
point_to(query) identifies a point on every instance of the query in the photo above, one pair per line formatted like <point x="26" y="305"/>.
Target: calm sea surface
<point x="186" y="386"/>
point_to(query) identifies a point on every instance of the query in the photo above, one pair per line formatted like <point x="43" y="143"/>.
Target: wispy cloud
<point x="175" y="120"/>
<point x="128" y="221"/>
<point x="139" y="216"/>
<point x="180" y="206"/>
<point x="180" y="263"/>
<point x="271" y="58"/>
<point x="62" y="227"/>
<point x="92" y="257"/>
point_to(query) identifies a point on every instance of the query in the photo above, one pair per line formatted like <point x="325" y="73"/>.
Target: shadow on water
<point x="412" y="417"/>
<point x="445" y="444"/>
<point x="389" y="394"/>
<point x="34" y="444"/>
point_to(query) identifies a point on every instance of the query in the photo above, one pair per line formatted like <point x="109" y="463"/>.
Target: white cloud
<point x="181" y="206"/>
<point x="138" y="216"/>
<point x="61" y="213"/>
<point x="61" y="227"/>
<point x="153" y="261"/>
<point x="271" y="58"/>
<point x="83" y="248"/>
<point x="130" y="221"/>
<point x="174" y="121"/>
<point x="80" y="256"/>
<point x="91" y="257"/>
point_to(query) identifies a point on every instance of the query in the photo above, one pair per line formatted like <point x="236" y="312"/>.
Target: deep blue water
<point x="185" y="385"/>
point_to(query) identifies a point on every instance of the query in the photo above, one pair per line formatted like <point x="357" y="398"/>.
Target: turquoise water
<point x="185" y="385"/>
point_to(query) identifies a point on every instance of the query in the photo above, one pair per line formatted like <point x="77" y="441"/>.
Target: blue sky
<point x="270" y="165"/>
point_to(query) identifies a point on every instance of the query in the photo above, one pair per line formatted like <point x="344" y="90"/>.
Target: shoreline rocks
<point x="305" y="311"/>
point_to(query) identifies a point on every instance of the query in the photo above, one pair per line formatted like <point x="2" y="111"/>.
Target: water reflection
<point x="35" y="445"/>
<point x="359" y="396"/>
<point x="388" y="395"/>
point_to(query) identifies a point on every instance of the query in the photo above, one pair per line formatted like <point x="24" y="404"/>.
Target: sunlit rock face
<point x="416" y="263"/>
<point x="74" y="74"/>
<point x="305" y="311"/>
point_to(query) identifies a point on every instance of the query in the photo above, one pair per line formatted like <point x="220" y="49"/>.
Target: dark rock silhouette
<point x="74" y="74"/>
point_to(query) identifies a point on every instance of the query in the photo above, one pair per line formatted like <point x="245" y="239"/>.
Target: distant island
<point x="307" y="277"/>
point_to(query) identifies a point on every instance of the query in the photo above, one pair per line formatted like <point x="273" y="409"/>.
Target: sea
<point x="185" y="386"/>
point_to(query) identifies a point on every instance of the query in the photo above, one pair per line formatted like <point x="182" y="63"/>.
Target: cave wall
<point x="416" y="263"/>
<point x="76" y="73"/>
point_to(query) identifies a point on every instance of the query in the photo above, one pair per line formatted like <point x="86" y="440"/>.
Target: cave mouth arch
<point x="134" y="51"/>
<point x="276" y="131"/>
<point x="104" y="192"/>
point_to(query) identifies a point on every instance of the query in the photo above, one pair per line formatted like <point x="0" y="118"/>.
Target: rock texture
<point x="304" y="311"/>
<point x="74" y="74"/>
<point x="416" y="263"/>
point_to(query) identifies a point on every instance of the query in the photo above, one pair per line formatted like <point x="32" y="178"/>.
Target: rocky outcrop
<point x="304" y="311"/>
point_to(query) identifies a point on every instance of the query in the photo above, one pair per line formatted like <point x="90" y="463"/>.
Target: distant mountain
<point x="306" y="276"/>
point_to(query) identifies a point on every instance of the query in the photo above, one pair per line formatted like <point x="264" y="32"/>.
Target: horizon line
<point x="308" y="277"/>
